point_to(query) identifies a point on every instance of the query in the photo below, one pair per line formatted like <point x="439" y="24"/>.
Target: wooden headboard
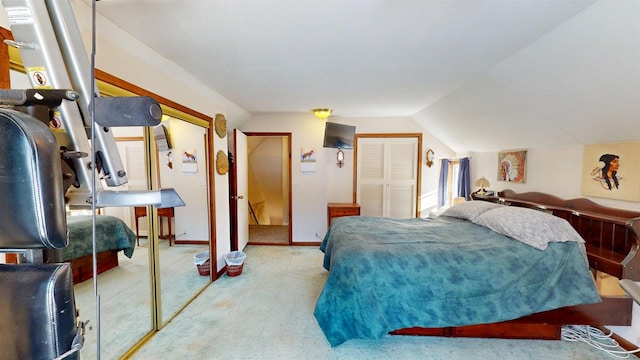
<point x="612" y="235"/>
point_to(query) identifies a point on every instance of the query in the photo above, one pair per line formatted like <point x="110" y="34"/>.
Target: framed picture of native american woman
<point x="612" y="170"/>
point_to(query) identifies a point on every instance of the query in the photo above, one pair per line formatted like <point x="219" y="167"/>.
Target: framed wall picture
<point x="512" y="166"/>
<point x="612" y="170"/>
<point x="307" y="160"/>
<point x="189" y="162"/>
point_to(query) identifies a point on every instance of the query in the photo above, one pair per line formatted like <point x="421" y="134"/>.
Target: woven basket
<point x="234" y="270"/>
<point x="204" y="269"/>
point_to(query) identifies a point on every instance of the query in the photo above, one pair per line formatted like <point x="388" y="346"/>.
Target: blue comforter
<point x="111" y="234"/>
<point x="388" y="274"/>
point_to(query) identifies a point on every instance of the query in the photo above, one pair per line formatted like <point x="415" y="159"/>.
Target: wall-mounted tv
<point x="339" y="136"/>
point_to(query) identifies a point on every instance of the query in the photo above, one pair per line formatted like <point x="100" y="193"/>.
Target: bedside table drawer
<point x="345" y="212"/>
<point x="335" y="210"/>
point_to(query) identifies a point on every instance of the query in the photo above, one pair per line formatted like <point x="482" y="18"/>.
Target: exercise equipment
<point x="54" y="156"/>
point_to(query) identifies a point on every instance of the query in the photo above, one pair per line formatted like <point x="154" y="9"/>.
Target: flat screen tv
<point x="339" y="136"/>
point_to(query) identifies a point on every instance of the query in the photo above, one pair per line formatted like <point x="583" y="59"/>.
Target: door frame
<point x="418" y="164"/>
<point x="290" y="178"/>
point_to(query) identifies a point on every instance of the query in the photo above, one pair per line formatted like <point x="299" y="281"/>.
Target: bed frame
<point x="82" y="267"/>
<point x="612" y="239"/>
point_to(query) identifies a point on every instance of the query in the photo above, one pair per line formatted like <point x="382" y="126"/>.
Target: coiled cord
<point x="595" y="338"/>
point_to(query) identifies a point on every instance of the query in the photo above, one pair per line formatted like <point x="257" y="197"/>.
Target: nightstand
<point x="335" y="210"/>
<point x="491" y="198"/>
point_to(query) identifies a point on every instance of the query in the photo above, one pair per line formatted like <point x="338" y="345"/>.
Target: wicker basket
<point x="234" y="270"/>
<point x="204" y="269"/>
<point x="234" y="261"/>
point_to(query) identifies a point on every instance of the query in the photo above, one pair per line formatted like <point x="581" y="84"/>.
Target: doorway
<point x="269" y="174"/>
<point x="268" y="194"/>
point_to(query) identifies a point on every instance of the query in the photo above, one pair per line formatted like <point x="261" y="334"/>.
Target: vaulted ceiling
<point x="479" y="75"/>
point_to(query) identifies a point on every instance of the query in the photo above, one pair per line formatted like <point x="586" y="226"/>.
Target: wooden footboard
<point x="83" y="267"/>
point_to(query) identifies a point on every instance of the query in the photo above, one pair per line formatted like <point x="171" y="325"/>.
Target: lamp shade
<point x="322" y="113"/>
<point x="483" y="183"/>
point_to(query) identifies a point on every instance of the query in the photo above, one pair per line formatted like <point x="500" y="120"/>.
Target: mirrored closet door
<point x="153" y="274"/>
<point x="184" y="234"/>
<point x="123" y="289"/>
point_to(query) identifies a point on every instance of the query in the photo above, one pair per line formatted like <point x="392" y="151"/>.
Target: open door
<point x="240" y="194"/>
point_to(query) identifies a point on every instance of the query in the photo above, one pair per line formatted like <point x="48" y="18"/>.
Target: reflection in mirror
<point x="184" y="231"/>
<point x="125" y="315"/>
<point x="123" y="286"/>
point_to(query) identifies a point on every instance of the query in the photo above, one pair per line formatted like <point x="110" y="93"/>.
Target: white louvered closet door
<point x="387" y="176"/>
<point x="136" y="174"/>
<point x="135" y="165"/>
<point x="371" y="177"/>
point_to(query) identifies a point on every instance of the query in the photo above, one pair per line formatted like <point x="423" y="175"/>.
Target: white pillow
<point x="532" y="227"/>
<point x="469" y="210"/>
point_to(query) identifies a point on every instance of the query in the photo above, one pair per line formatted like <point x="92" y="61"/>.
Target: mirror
<point x="123" y="308"/>
<point x="126" y="285"/>
<point x="184" y="231"/>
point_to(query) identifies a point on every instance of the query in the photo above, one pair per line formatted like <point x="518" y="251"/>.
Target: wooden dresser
<point x="335" y="210"/>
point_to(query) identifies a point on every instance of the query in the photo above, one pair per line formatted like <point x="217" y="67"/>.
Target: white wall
<point x="222" y="226"/>
<point x="330" y="183"/>
<point x="556" y="171"/>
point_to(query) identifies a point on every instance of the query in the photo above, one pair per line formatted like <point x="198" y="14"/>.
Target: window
<point x="452" y="181"/>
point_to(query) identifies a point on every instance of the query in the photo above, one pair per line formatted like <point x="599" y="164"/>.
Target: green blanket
<point x="388" y="274"/>
<point x="111" y="234"/>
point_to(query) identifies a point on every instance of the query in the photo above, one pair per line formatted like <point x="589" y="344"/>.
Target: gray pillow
<point x="532" y="227"/>
<point x="469" y="210"/>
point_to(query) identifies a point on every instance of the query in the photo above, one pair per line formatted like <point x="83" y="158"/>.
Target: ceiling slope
<point x="479" y="75"/>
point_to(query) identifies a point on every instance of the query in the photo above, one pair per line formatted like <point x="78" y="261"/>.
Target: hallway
<point x="268" y="234"/>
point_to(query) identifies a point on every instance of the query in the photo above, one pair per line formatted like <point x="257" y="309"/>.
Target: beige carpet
<point x="266" y="313"/>
<point x="125" y="310"/>
<point x="269" y="234"/>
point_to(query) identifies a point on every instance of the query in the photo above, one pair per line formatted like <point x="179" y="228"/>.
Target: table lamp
<point x="482" y="183"/>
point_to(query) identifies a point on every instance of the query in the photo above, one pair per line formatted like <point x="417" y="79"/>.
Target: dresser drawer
<point x="335" y="210"/>
<point x="345" y="212"/>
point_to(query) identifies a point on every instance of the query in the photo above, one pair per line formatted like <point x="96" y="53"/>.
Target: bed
<point x="462" y="278"/>
<point x="112" y="236"/>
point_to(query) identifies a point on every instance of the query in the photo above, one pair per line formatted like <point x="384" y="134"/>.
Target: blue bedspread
<point x="388" y="274"/>
<point x="111" y="234"/>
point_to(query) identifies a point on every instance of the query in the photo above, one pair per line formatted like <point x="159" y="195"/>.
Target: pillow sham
<point x="469" y="210"/>
<point x="532" y="227"/>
